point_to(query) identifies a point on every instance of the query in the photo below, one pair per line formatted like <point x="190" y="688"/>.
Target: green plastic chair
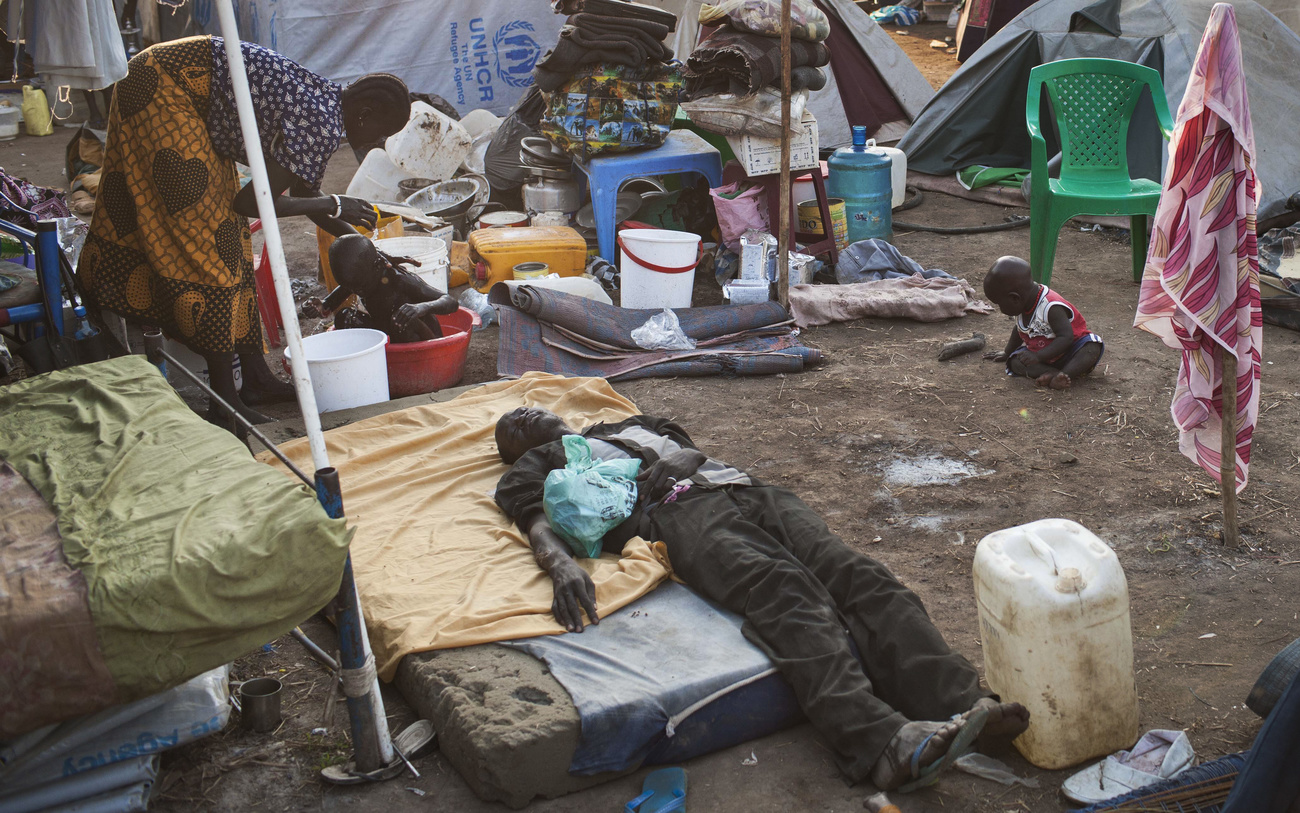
<point x="1093" y="100"/>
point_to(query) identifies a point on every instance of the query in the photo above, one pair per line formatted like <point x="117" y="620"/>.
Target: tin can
<point x="531" y="270"/>
<point x="496" y="220"/>
<point x="810" y="220"/>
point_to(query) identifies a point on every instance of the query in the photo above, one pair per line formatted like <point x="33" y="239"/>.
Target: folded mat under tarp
<point x="437" y="563"/>
<point x="187" y="552"/>
<point x="560" y="333"/>
<point x="645" y="672"/>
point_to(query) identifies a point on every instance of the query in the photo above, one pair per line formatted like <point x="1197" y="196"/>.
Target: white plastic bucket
<point x="429" y="253"/>
<point x="657" y="268"/>
<point x="348" y="368"/>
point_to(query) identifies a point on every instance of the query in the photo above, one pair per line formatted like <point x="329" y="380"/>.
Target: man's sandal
<point x="972" y="725"/>
<point x="663" y="791"/>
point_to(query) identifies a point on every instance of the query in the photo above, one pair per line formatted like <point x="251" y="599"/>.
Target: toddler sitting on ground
<point x="396" y="301"/>
<point x="1050" y="341"/>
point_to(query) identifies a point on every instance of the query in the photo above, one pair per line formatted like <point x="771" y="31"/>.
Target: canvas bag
<point x="606" y="108"/>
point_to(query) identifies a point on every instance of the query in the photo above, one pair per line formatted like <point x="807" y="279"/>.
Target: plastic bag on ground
<point x="663" y="331"/>
<point x="871" y="260"/>
<point x="758" y="115"/>
<point x="987" y="767"/>
<point x="740" y="206"/>
<point x="764" y="17"/>
<point x="588" y="497"/>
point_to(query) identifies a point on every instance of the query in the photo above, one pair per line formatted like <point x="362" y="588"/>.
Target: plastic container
<point x="415" y="368"/>
<point x="195" y="364"/>
<point x="862" y="179"/>
<point x="897" y="171"/>
<point x="378" y="178"/>
<point x="348" y="368"/>
<point x="802" y="187"/>
<point x="496" y="252"/>
<point x="657" y="267"/>
<point x="10" y="116"/>
<point x="1054" y="624"/>
<point x="431" y="145"/>
<point x="36" y="112"/>
<point x="429" y="253"/>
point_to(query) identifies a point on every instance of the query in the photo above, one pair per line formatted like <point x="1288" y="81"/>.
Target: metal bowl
<point x="446" y="198"/>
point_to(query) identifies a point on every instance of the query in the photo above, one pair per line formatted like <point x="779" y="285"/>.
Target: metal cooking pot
<point x="551" y="195"/>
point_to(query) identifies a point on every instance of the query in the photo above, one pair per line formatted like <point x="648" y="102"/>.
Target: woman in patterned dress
<point x="169" y="244"/>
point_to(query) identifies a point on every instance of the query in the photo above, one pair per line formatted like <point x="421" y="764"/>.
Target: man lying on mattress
<point x="898" y="715"/>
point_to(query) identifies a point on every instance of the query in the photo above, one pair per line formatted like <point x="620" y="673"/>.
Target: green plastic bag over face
<point x="588" y="498"/>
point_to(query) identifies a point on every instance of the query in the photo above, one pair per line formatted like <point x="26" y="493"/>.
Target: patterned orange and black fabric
<point x="166" y="246"/>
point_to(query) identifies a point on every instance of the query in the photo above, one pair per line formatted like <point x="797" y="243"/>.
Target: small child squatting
<point x="1050" y="341"/>
<point x="396" y="301"/>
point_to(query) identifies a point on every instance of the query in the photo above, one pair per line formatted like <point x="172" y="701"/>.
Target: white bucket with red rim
<point x="657" y="267"/>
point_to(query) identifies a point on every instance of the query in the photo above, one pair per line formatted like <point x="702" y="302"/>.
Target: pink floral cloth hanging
<point x="1200" y="289"/>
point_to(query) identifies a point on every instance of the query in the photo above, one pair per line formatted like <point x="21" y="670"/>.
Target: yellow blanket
<point x="437" y="563"/>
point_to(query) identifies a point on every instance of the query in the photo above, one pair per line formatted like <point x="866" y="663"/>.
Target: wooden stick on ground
<point x="1228" y="452"/>
<point x="783" y="210"/>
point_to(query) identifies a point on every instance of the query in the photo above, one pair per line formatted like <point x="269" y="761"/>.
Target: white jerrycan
<point x="1054" y="621"/>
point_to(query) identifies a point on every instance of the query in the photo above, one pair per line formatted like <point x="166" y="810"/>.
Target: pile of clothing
<point x="590" y="39"/>
<point x="743" y="55"/>
<point x="610" y="83"/>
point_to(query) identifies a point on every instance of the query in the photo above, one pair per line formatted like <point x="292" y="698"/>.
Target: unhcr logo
<point x="516" y="53"/>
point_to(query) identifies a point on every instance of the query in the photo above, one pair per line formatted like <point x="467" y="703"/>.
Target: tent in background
<point x="978" y="117"/>
<point x="981" y="19"/>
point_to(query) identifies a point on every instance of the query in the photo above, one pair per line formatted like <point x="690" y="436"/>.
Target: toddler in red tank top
<point x="1050" y="341"/>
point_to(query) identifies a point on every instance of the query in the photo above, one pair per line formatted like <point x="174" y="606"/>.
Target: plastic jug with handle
<point x="861" y="178"/>
<point x="1054" y="624"/>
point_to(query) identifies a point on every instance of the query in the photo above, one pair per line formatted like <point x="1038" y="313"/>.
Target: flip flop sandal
<point x="663" y="791"/>
<point x="961" y="744"/>
<point x="413" y="739"/>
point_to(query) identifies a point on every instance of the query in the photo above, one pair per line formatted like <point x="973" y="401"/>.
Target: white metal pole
<point x="271" y="233"/>
<point x="289" y="315"/>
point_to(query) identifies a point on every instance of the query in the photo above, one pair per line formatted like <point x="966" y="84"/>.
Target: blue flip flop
<point x="961" y="744"/>
<point x="663" y="791"/>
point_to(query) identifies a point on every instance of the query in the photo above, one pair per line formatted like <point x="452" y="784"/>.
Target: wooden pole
<point x="1228" y="453"/>
<point x="783" y="209"/>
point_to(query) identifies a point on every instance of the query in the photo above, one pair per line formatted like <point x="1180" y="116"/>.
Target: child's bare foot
<point x="1060" y="381"/>
<point x="1045" y="380"/>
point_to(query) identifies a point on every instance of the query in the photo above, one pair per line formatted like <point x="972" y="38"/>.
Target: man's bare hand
<point x="655" y="482"/>
<point x="574" y="592"/>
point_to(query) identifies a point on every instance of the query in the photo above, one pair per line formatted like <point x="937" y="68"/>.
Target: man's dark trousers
<point x="761" y="552"/>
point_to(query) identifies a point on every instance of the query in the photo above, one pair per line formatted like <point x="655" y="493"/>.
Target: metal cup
<point x="259" y="703"/>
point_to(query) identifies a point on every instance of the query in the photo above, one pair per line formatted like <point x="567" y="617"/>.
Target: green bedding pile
<point x="193" y="552"/>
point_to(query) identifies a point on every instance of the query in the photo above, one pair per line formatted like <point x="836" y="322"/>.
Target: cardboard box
<point x="762" y="156"/>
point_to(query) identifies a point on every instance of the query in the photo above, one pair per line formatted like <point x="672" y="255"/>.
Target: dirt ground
<point x="1103" y="454"/>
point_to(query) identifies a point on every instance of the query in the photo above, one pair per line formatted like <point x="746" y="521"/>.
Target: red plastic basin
<point x="415" y="368"/>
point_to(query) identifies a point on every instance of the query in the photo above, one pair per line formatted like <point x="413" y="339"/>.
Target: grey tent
<point x="978" y="117"/>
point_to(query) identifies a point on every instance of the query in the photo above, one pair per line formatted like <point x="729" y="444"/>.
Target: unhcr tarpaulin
<point x="473" y="53"/>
